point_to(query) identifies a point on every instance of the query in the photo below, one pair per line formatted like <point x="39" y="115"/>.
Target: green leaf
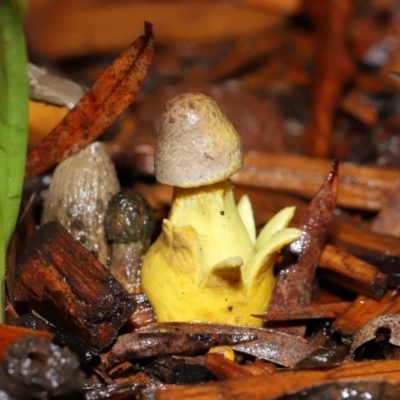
<point x="14" y="98"/>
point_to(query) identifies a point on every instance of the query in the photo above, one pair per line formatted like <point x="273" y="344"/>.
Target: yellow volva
<point x="207" y="264"/>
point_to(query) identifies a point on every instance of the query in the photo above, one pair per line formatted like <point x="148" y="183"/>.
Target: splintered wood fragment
<point x="353" y="238"/>
<point x="200" y="327"/>
<point x="10" y="334"/>
<point x="314" y="311"/>
<point x="387" y="222"/>
<point x="364" y="309"/>
<point x="374" y="388"/>
<point x="143" y="314"/>
<point x="110" y="95"/>
<point x="244" y="55"/>
<point x="360" y="240"/>
<point x="293" y="288"/>
<point x="270" y="386"/>
<point x="352" y="273"/>
<point x="223" y="368"/>
<point x="65" y="283"/>
<point x="147" y="344"/>
<point x="269" y="345"/>
<point x="357" y="104"/>
<point x="333" y="69"/>
<point x="360" y="187"/>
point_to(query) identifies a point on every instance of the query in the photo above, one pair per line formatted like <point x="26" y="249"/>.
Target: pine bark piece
<point x="293" y="288"/>
<point x="64" y="283"/>
<point x="365" y="309"/>
<point x="352" y="273"/>
<point x="269" y="386"/>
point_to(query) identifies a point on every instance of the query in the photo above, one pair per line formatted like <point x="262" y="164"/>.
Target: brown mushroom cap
<point x="197" y="145"/>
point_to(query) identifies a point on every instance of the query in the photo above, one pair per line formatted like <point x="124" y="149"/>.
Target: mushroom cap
<point x="129" y="218"/>
<point x="197" y="145"/>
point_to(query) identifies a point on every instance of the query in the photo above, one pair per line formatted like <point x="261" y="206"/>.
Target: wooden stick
<point x="269" y="386"/>
<point x="314" y="311"/>
<point x="333" y="69"/>
<point x="65" y="283"/>
<point x="352" y="273"/>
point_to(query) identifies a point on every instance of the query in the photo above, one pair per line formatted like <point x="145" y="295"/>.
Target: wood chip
<point x="267" y="387"/>
<point x="352" y="273"/>
<point x="363" y="310"/>
<point x="65" y="283"/>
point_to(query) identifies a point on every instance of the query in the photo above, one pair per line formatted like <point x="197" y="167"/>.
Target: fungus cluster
<point x="207" y="264"/>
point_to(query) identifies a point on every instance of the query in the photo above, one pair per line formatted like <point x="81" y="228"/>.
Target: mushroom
<point x="78" y="194"/>
<point x="207" y="264"/>
<point x="129" y="223"/>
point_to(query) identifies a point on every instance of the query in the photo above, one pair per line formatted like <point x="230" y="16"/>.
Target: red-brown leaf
<point x="116" y="88"/>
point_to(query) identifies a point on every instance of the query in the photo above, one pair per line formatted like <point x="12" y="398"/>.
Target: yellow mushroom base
<point x="207" y="266"/>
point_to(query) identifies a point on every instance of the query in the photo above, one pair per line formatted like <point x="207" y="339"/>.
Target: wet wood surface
<point x="66" y="284"/>
<point x="270" y="385"/>
<point x="361" y="277"/>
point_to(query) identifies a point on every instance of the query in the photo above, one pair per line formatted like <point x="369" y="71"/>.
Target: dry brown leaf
<point x="369" y="331"/>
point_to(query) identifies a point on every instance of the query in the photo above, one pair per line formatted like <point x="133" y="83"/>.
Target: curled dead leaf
<point x="369" y="331"/>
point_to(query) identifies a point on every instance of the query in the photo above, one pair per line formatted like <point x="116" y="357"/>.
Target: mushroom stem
<point x="126" y="260"/>
<point x="211" y="211"/>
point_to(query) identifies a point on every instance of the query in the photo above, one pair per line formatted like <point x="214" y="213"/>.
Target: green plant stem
<point x="14" y="98"/>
